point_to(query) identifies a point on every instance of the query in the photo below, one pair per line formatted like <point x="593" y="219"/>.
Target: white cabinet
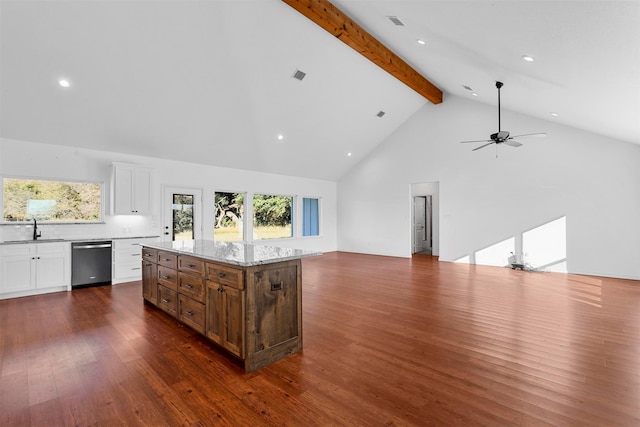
<point x="33" y="268"/>
<point x="127" y="259"/>
<point x="130" y="190"/>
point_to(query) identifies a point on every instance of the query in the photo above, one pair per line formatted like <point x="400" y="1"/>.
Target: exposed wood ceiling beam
<point x="332" y="19"/>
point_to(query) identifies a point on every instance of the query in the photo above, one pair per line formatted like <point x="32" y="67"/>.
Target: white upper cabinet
<point x="130" y="190"/>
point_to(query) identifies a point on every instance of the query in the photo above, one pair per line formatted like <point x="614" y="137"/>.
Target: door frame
<point x="427" y="188"/>
<point x="167" y="210"/>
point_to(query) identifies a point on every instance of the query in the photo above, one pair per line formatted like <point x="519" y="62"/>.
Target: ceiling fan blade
<point x="479" y="140"/>
<point x="482" y="146"/>
<point x="512" y="143"/>
<point x="540" y="134"/>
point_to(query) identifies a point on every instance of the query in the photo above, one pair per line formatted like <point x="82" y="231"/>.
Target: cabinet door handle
<point x="164" y="277"/>
<point x="220" y="289"/>
<point x="189" y="313"/>
<point x="165" y="300"/>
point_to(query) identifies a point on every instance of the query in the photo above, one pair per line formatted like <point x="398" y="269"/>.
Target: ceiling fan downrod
<point x="499" y="85"/>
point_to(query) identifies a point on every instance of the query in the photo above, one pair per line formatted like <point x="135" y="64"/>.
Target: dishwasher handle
<point x="106" y="245"/>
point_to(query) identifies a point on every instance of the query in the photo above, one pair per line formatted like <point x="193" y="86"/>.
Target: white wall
<point x="19" y="158"/>
<point x="491" y="205"/>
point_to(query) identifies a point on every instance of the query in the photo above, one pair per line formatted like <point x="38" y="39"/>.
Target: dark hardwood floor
<point x="387" y="341"/>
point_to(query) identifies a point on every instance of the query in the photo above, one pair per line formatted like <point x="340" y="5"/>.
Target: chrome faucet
<point x="36" y="233"/>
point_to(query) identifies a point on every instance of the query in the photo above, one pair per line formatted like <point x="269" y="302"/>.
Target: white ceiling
<point x="211" y="81"/>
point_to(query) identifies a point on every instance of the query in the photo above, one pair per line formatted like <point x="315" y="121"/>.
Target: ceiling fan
<point x="502" y="136"/>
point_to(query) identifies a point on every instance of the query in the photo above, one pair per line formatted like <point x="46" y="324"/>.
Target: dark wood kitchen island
<point x="246" y="298"/>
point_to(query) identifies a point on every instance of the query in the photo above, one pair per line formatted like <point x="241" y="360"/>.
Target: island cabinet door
<point x="150" y="282"/>
<point x="275" y="302"/>
<point x="225" y="317"/>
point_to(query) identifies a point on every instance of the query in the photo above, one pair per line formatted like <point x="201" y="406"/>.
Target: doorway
<point x="425" y="223"/>
<point x="181" y="214"/>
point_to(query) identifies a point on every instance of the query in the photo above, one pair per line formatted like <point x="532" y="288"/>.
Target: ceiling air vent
<point x="380" y="113"/>
<point x="396" y="21"/>
<point x="299" y="75"/>
<point x="466" y="87"/>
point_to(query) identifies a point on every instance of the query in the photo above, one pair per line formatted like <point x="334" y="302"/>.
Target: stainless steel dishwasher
<point x="90" y="263"/>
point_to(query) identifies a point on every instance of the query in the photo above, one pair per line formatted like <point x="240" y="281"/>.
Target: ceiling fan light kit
<point x="502" y="136"/>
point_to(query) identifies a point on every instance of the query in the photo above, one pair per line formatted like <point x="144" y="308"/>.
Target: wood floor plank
<point x="387" y="341"/>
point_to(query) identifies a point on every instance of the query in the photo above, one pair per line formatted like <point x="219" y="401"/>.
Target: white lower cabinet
<point x="127" y="259"/>
<point x="33" y="268"/>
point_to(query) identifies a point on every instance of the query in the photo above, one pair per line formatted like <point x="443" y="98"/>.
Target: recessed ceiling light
<point x="554" y="114"/>
<point x="64" y="83"/>
<point x="421" y="42"/>
<point x="474" y="94"/>
<point x="348" y="154"/>
<point x="280" y="137"/>
<point x="527" y="58"/>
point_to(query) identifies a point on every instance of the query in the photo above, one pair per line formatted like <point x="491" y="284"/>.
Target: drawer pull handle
<point x="147" y="255"/>
<point x="191" y="266"/>
<point x="188" y="286"/>
<point x="221" y="275"/>
<point x="136" y="268"/>
<point x="220" y="289"/>
<point x="165" y="300"/>
<point x="189" y="313"/>
<point x="166" y="259"/>
<point x="134" y="254"/>
<point x="277" y="286"/>
<point x="164" y="277"/>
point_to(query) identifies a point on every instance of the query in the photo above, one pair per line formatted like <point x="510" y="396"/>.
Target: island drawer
<point x="191" y="312"/>
<point x="168" y="277"/>
<point x="168" y="300"/>
<point x="224" y="275"/>
<point x="191" y="265"/>
<point x="150" y="255"/>
<point x="168" y="259"/>
<point x="191" y="286"/>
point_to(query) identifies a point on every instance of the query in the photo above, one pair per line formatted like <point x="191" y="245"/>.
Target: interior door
<point x="182" y="213"/>
<point x="419" y="223"/>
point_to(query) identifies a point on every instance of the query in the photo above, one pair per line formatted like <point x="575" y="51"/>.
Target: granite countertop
<point x="236" y="253"/>
<point x="78" y="239"/>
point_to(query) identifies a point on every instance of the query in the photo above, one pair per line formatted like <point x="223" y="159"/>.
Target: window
<point x="310" y="217"/>
<point x="51" y="201"/>
<point x="229" y="212"/>
<point x="272" y="217"/>
<point x="182" y="208"/>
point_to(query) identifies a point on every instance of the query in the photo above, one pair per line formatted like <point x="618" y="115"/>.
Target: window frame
<point x="103" y="199"/>
<point x="245" y="230"/>
<point x="302" y="217"/>
<point x="293" y="213"/>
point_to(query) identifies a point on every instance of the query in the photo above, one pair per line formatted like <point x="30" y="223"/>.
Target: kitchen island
<point x="246" y="298"/>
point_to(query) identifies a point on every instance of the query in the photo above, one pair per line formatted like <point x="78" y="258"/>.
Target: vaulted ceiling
<point x="213" y="81"/>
